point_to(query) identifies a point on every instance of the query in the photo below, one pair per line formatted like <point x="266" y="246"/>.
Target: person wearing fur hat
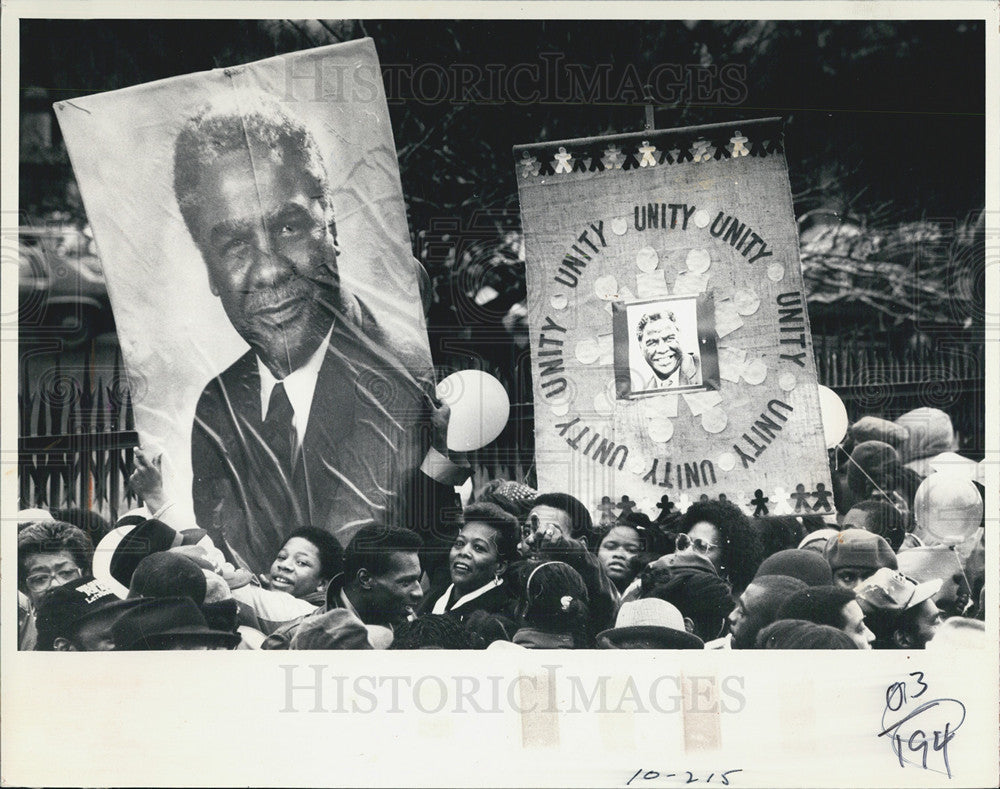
<point x="854" y="555"/>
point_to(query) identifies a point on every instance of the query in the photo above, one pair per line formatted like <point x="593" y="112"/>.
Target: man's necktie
<point x="279" y="432"/>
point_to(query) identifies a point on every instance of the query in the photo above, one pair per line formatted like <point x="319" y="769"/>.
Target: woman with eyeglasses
<point x="723" y="534"/>
<point x="49" y="554"/>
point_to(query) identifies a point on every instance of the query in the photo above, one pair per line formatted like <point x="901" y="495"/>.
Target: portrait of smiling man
<point x="318" y="423"/>
<point x="660" y="339"/>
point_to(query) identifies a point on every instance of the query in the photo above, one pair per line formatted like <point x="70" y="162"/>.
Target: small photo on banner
<point x="681" y="245"/>
<point x="665" y="344"/>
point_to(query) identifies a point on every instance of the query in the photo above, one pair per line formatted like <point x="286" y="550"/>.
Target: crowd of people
<point x="901" y="566"/>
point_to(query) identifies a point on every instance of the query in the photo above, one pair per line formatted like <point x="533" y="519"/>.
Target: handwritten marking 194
<point x="938" y="718"/>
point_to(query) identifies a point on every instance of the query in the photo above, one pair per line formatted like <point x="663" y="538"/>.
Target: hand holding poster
<point x="258" y="263"/>
<point x="671" y="345"/>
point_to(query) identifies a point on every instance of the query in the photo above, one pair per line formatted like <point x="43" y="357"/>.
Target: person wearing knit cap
<point x="873" y="428"/>
<point x="758" y="607"/>
<point x="929" y="433"/>
<point x="168" y="574"/>
<point x="900" y="613"/>
<point x="650" y="623"/>
<point x="816" y="541"/>
<point x="833" y="606"/>
<point x="801" y="634"/>
<point x="879" y="517"/>
<point x="513" y="497"/>
<point x="939" y="562"/>
<point x="875" y="470"/>
<point x="855" y="554"/>
<point x="807" y="566"/>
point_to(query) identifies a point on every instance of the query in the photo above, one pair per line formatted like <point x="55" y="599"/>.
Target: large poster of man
<point x="254" y="238"/>
<point x="671" y="352"/>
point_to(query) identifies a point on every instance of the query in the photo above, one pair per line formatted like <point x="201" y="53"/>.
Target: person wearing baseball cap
<point x="854" y="555"/>
<point x="78" y="617"/>
<point x="900" y="612"/>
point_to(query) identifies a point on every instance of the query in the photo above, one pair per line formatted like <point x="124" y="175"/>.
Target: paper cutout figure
<point x="612" y="159"/>
<point x="759" y="503"/>
<point x="665" y="506"/>
<point x="702" y="151"/>
<point x="739" y="146"/>
<point x="563" y="161"/>
<point x="626" y="505"/>
<point x="529" y="166"/>
<point x="801" y="498"/>
<point x="822" y="498"/>
<point x="606" y="507"/>
<point x="647" y="150"/>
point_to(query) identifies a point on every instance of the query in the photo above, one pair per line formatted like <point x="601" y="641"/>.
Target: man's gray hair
<point x="248" y="121"/>
<point x="649" y="317"/>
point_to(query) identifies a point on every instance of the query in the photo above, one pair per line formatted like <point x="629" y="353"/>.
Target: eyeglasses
<point x="39" y="582"/>
<point x="698" y="545"/>
<point x="537" y="524"/>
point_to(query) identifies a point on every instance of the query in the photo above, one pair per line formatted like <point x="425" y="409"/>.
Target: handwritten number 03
<point x="895" y="694"/>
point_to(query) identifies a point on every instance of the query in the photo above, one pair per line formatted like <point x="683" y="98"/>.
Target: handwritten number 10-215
<point x="650" y="775"/>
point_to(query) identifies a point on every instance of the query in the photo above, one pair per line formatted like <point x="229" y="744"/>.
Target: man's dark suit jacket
<point x="364" y="443"/>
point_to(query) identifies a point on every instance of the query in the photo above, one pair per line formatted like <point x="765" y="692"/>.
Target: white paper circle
<point x="787" y="381"/>
<point x="602" y="405"/>
<point x="775" y="272"/>
<point x="701" y="218"/>
<point x="727" y="461"/>
<point x="588" y="351"/>
<point x="746" y="302"/>
<point x="714" y="420"/>
<point x="647" y="260"/>
<point x="660" y="429"/>
<point x="755" y="372"/>
<point x="637" y="464"/>
<point x="559" y="409"/>
<point x="619" y="226"/>
<point x="559" y="301"/>
<point x="698" y="261"/>
<point x="606" y="288"/>
<point x="479" y="409"/>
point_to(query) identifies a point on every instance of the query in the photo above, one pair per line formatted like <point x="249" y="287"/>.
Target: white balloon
<point x="947" y="508"/>
<point x="834" y="416"/>
<point x="479" y="409"/>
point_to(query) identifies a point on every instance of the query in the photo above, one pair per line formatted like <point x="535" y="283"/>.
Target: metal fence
<point x="77" y="438"/>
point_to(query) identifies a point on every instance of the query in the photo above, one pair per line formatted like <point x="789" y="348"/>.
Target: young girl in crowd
<point x="554" y="608"/>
